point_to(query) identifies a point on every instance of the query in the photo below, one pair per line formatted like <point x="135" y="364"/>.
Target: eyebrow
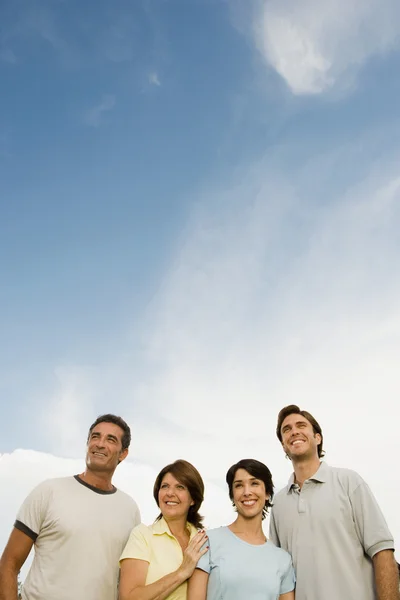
<point x="110" y="435"/>
<point x="241" y="480"/>
<point x="297" y="423"/>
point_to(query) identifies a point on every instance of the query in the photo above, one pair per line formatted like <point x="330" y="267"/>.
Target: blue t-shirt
<point x="240" y="570"/>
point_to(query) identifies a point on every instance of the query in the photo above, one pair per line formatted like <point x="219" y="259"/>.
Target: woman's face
<point x="249" y="495"/>
<point x="174" y="498"/>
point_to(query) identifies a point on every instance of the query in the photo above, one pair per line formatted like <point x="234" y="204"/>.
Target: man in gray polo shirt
<point x="329" y="521"/>
<point x="78" y="526"/>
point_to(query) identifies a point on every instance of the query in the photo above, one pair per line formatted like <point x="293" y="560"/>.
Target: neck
<point x="306" y="468"/>
<point x="99" y="480"/>
<point x="177" y="526"/>
<point x="251" y="527"/>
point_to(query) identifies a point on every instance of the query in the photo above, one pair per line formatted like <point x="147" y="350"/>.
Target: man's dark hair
<point x="126" y="437"/>
<point x="292" y="409"/>
<point x="188" y="476"/>
<point x="258" y="470"/>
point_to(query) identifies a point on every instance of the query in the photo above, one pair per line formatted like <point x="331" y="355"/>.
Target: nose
<point x="247" y="490"/>
<point x="99" y="443"/>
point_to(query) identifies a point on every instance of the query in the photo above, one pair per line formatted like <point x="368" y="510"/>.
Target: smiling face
<point x="299" y="440"/>
<point x="249" y="495"/>
<point x="104" y="448"/>
<point x="174" y="498"/>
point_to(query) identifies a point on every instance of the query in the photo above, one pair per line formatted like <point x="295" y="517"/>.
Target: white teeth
<point x="171" y="503"/>
<point x="249" y="502"/>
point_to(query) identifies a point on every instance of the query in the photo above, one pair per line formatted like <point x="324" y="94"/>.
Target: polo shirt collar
<point x="161" y="526"/>
<point x="320" y="476"/>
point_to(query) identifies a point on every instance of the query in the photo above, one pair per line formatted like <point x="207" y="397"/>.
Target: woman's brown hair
<point x="188" y="476"/>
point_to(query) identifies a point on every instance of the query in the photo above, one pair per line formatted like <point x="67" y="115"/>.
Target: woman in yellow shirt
<point x="158" y="560"/>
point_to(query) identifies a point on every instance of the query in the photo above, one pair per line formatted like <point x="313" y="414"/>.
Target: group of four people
<point x="328" y="537"/>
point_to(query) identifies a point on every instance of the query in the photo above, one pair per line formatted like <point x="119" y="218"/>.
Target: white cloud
<point x="316" y="46"/>
<point x="280" y="291"/>
<point x="154" y="79"/>
<point x="21" y="470"/>
<point x="93" y="116"/>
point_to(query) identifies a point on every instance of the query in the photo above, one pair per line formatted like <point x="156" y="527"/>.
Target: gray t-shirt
<point x="239" y="570"/>
<point x="332" y="528"/>
<point x="79" y="534"/>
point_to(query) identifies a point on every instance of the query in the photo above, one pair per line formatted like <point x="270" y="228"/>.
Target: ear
<point x="318" y="438"/>
<point x="192" y="503"/>
<point x="123" y="455"/>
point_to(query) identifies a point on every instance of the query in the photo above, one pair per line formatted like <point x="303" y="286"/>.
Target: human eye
<point x="180" y="487"/>
<point x="255" y="482"/>
<point x="164" y="486"/>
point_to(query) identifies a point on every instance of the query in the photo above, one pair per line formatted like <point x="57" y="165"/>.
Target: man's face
<point x="104" y="448"/>
<point x="298" y="438"/>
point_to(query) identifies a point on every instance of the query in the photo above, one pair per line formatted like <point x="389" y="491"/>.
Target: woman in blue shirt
<point x="240" y="562"/>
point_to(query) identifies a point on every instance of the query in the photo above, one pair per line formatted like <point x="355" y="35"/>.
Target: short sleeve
<point x="371" y="526"/>
<point x="32" y="514"/>
<point x="288" y="579"/>
<point x="138" y="545"/>
<point x="204" y="561"/>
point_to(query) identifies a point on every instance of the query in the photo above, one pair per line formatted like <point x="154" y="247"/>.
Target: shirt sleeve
<point x="204" y="561"/>
<point x="273" y="533"/>
<point x="32" y="514"/>
<point x="371" y="526"/>
<point x="138" y="545"/>
<point x="288" y="580"/>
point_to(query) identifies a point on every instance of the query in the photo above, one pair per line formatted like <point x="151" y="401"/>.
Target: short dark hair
<point x="256" y="469"/>
<point x="109" y="418"/>
<point x="293" y="409"/>
<point x="189" y="476"/>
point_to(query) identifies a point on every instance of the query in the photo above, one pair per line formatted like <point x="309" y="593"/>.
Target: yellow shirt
<point x="157" y="546"/>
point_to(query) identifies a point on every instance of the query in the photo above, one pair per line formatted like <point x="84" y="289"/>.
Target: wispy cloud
<point x="154" y="79"/>
<point x="316" y="46"/>
<point x="273" y="297"/>
<point x="93" y="116"/>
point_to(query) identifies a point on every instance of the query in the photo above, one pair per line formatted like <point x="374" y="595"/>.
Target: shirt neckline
<point x="95" y="489"/>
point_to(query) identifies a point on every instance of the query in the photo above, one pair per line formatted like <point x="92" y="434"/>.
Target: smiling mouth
<point x="171" y="503"/>
<point x="249" y="502"/>
<point x="297" y="442"/>
<point x="98" y="454"/>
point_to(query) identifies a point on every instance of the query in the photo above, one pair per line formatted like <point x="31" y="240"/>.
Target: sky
<point x="199" y="216"/>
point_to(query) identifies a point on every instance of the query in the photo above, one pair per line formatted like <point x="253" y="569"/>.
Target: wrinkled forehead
<point x="294" y="419"/>
<point x="105" y="429"/>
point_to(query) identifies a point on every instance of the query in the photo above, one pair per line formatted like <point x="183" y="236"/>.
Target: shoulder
<point x="280" y="554"/>
<point x="217" y="533"/>
<point x="348" y="479"/>
<point x="281" y="494"/>
<point x="50" y="485"/>
<point x="125" y="498"/>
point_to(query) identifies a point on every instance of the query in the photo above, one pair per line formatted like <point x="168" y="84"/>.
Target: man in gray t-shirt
<point x="78" y="525"/>
<point x="329" y="521"/>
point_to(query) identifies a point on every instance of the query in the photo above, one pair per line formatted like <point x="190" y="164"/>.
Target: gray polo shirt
<point x="332" y="527"/>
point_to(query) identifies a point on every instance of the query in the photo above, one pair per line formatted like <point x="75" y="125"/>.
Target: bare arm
<point x="197" y="585"/>
<point x="133" y="586"/>
<point x="15" y="554"/>
<point x="386" y="576"/>
<point x="288" y="596"/>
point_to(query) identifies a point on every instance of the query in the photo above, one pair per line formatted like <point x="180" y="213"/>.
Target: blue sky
<point x="199" y="224"/>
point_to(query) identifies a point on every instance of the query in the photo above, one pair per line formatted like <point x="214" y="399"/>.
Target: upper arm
<point x="288" y="596"/>
<point x="133" y="575"/>
<point x="371" y="526"/>
<point x="16" y="551"/>
<point x="197" y="585"/>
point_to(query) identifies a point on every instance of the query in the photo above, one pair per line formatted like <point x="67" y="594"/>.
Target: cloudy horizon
<point x="199" y="225"/>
